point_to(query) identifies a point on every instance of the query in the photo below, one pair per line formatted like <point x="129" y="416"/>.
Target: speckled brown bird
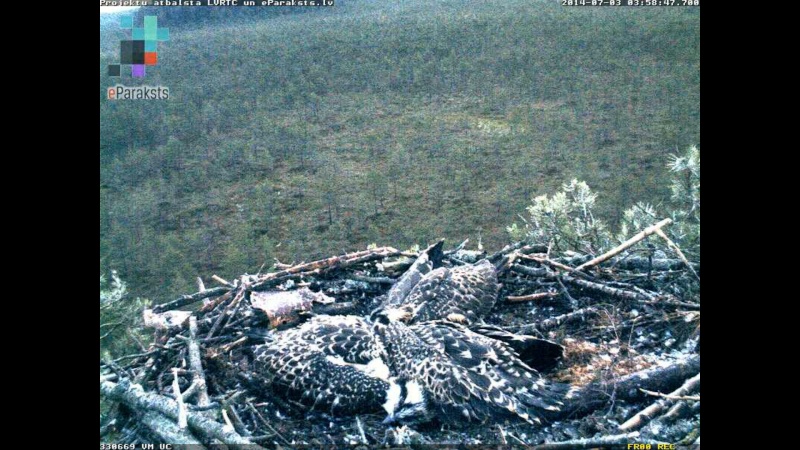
<point x="461" y="294"/>
<point x="330" y="363"/>
<point x="462" y="376"/>
<point x="347" y="365"/>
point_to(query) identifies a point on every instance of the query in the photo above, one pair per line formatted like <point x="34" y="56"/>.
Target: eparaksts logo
<point x="144" y="93"/>
<point x="142" y="49"/>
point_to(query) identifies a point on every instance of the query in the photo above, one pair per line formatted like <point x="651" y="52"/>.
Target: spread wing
<point x="492" y="368"/>
<point x="466" y="377"/>
<point x="326" y="363"/>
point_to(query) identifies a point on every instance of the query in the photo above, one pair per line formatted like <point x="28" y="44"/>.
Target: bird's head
<point x="406" y="404"/>
<point x="396" y="314"/>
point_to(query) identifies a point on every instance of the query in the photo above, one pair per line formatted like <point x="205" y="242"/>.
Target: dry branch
<point x="190" y="299"/>
<point x="386" y="281"/>
<point x="600" y="442"/>
<point x="608" y="290"/>
<point x="678" y="251"/>
<point x="629" y="387"/>
<point x="626" y="245"/>
<point x="222" y="281"/>
<point x="652" y="411"/>
<point x="693" y="398"/>
<point x="196" y="364"/>
<point x="168" y="431"/>
<point x="521" y="247"/>
<point x="176" y="390"/>
<point x="319" y="267"/>
<point x="558" y="265"/>
<point x="532" y="297"/>
<point x="580" y="315"/>
<point x="531" y="272"/>
<point x="137" y="399"/>
<point x="643" y="263"/>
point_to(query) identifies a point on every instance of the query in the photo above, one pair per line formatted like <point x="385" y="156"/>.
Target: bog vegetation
<point x="299" y="136"/>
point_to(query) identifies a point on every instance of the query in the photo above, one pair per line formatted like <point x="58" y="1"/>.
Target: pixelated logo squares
<point x="142" y="49"/>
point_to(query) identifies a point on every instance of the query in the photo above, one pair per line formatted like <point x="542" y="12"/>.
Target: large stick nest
<point x="629" y="325"/>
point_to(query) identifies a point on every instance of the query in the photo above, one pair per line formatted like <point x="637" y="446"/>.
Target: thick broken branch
<point x="629" y="387"/>
<point x="652" y="411"/>
<point x="137" y="399"/>
<point x="196" y="364"/>
<point x="176" y="390"/>
<point x="168" y="431"/>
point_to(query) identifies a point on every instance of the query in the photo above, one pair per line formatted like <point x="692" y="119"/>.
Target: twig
<point x="373" y="280"/>
<point x="109" y="332"/>
<point x="565" y="291"/>
<point x="193" y="389"/>
<point x="519" y="440"/>
<point x="361" y="431"/>
<point x="237" y="422"/>
<point x="228" y="347"/>
<point x="532" y="297"/>
<point x="112" y="324"/>
<point x="457" y="249"/>
<point x="678" y="251"/>
<point x="502" y="435"/>
<point x="189" y="299"/>
<point x="558" y="265"/>
<point x="224" y="313"/>
<point x="266" y="424"/>
<point x="140" y="355"/>
<point x="694" y="398"/>
<point x="626" y="245"/>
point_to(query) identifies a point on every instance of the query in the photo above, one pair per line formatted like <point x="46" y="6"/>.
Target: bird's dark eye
<point x="383" y="319"/>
